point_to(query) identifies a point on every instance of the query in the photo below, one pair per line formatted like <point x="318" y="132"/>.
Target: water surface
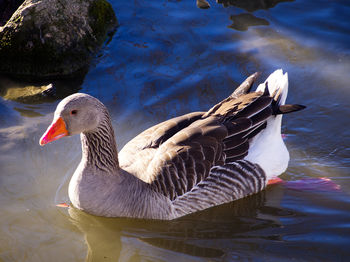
<point x="168" y="58"/>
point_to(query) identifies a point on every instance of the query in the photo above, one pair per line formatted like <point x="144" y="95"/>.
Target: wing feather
<point x="137" y="153"/>
<point x="187" y="153"/>
<point x="224" y="184"/>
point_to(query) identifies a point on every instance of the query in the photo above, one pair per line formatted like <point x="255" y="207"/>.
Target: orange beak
<point x="55" y="131"/>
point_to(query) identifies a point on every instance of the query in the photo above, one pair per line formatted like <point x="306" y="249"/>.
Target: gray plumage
<point x="183" y="165"/>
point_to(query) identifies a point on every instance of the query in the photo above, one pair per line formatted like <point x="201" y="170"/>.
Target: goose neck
<point x="99" y="149"/>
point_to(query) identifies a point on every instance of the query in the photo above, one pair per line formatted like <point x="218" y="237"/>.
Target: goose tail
<point x="277" y="86"/>
<point x="267" y="148"/>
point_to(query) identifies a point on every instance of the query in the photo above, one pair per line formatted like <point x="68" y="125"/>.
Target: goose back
<point x="180" y="154"/>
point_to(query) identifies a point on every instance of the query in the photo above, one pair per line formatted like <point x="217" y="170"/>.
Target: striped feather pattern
<point x="185" y="159"/>
<point x="99" y="147"/>
<point x="224" y="184"/>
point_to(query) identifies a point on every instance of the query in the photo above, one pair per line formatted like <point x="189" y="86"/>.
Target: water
<point x="166" y="59"/>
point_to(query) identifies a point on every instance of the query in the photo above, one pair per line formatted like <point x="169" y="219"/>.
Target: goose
<point x="183" y="165"/>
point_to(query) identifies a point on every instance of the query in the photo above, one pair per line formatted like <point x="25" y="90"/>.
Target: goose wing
<point x="214" y="144"/>
<point x="137" y="153"/>
<point x="177" y="156"/>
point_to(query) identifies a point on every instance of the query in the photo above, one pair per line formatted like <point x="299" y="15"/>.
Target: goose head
<point x="77" y="113"/>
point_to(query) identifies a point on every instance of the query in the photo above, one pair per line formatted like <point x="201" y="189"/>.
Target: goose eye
<point x="73" y="112"/>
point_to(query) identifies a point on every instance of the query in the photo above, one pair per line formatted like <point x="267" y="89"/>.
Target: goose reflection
<point x="193" y="237"/>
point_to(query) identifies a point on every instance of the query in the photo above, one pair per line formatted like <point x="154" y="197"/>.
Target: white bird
<point x="180" y="166"/>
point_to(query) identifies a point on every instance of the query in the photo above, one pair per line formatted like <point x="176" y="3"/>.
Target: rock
<point x="202" y="4"/>
<point x="50" y="38"/>
<point x="242" y="22"/>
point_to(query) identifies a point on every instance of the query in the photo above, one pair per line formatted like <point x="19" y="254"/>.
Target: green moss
<point x="24" y="54"/>
<point x="103" y="19"/>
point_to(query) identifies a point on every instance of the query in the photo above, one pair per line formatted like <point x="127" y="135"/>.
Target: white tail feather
<point x="277" y="80"/>
<point x="267" y="148"/>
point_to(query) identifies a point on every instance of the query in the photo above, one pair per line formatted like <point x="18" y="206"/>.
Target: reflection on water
<point x="28" y="112"/>
<point x="166" y="60"/>
<point x="252" y="5"/>
<point x="203" y="4"/>
<point x="241" y="22"/>
<point x="35" y="92"/>
<point x="228" y="232"/>
<point x="25" y="94"/>
<point x="22" y="96"/>
<point x="134" y="240"/>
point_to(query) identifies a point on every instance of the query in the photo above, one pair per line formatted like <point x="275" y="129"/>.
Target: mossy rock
<point x="50" y="38"/>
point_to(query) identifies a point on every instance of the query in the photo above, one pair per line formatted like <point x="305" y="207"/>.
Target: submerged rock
<point x="202" y="4"/>
<point x="242" y="22"/>
<point x="47" y="38"/>
<point x="33" y="92"/>
<point x="28" y="94"/>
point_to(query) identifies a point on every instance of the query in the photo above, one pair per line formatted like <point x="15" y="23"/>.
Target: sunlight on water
<point x="170" y="58"/>
<point x="274" y="48"/>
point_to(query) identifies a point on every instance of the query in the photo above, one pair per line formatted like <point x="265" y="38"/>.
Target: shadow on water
<point x="197" y="235"/>
<point x="36" y="92"/>
<point x="252" y="6"/>
<point x="27" y="94"/>
<point x="242" y="22"/>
